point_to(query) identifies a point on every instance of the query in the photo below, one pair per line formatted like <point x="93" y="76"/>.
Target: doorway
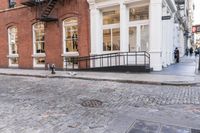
<point x="138" y="37"/>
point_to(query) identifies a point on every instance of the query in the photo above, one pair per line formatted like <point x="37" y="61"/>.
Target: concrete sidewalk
<point x="141" y="78"/>
<point x="183" y="73"/>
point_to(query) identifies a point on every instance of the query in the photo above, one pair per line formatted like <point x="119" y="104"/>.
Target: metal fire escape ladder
<point x="46" y="12"/>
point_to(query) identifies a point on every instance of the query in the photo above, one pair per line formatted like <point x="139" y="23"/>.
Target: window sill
<point x="38" y="55"/>
<point x="39" y="66"/>
<point x="13" y="65"/>
<point x="13" y="56"/>
<point x="110" y="52"/>
<point x="68" y="54"/>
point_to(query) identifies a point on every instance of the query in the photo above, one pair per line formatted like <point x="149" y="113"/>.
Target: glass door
<point x="133" y="39"/>
<point x="144" y="37"/>
<point x="139" y="37"/>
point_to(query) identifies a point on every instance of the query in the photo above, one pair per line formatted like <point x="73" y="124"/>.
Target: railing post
<point x="127" y="58"/>
<point x="136" y="58"/>
<point x="73" y="63"/>
<point x="119" y="58"/>
<point x="115" y="60"/>
<point x="144" y="58"/>
<point x="110" y="60"/>
<point x="101" y="58"/>
<point x="86" y="63"/>
<point x="124" y="59"/>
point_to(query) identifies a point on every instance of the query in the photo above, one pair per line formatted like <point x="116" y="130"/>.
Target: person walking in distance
<point x="191" y="51"/>
<point x="176" y="55"/>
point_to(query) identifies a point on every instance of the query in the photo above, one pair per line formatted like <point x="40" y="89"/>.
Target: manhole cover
<point x="93" y="103"/>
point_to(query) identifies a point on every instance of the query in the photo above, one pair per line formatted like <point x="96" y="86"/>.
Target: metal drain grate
<point x="92" y="103"/>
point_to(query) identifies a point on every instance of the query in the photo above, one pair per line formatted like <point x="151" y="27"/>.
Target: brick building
<point x="34" y="33"/>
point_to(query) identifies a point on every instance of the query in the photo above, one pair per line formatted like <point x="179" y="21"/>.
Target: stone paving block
<point x="146" y="126"/>
<point x="137" y="131"/>
<point x="54" y="106"/>
<point x="174" y="129"/>
<point x="195" y="131"/>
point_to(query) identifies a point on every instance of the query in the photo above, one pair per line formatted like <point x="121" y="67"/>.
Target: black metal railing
<point x="137" y="58"/>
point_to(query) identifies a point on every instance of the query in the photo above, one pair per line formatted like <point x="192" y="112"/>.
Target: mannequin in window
<point x="74" y="41"/>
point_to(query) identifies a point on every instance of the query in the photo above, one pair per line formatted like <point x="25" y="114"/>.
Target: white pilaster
<point x="124" y="47"/>
<point x="156" y="34"/>
<point x="95" y="30"/>
<point x="171" y="48"/>
<point x="164" y="38"/>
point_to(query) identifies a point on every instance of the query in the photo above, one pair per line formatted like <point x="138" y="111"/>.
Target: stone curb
<point x="105" y="79"/>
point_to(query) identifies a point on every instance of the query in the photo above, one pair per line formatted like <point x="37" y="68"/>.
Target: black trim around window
<point x="11" y="3"/>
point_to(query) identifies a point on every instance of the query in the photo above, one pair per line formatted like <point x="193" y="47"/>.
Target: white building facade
<point x="135" y="25"/>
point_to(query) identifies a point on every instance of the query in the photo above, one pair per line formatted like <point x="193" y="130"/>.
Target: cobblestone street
<point x="54" y="105"/>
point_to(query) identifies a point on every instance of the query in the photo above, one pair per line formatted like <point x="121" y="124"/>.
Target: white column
<point x="124" y="34"/>
<point x="164" y="39"/>
<point x="171" y="48"/>
<point x="95" y="31"/>
<point x="156" y="34"/>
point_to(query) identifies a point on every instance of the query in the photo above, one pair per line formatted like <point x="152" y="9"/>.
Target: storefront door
<point x="139" y="37"/>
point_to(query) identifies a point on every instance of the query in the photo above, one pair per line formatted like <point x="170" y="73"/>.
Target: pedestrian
<point x="176" y="55"/>
<point x="191" y="51"/>
<point x="186" y="51"/>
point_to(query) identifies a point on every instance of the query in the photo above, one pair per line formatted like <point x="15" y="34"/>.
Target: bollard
<point x="53" y="70"/>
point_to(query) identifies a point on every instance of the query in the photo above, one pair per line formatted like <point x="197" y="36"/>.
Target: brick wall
<point x="23" y="18"/>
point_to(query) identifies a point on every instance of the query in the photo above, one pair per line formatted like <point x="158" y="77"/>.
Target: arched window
<point x="70" y="35"/>
<point x="70" y="40"/>
<point x="38" y="44"/>
<point x="12" y="46"/>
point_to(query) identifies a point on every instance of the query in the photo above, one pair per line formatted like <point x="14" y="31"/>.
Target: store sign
<point x="196" y="29"/>
<point x="166" y="17"/>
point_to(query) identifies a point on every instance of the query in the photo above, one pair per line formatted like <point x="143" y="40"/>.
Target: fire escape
<point x="43" y="9"/>
<point x="181" y="15"/>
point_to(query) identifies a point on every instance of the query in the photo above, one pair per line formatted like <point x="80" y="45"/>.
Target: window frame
<point x="66" y="54"/>
<point x="11" y="3"/>
<point x="35" y="54"/>
<point x="12" y="55"/>
<point x="110" y="27"/>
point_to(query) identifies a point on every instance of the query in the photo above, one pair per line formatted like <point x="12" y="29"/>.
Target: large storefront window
<point x="12" y="44"/>
<point x="111" y="30"/>
<point x="144" y="38"/>
<point x="132" y="39"/>
<point x="139" y="13"/>
<point x="71" y="35"/>
<point x="139" y="28"/>
<point x="39" y="44"/>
